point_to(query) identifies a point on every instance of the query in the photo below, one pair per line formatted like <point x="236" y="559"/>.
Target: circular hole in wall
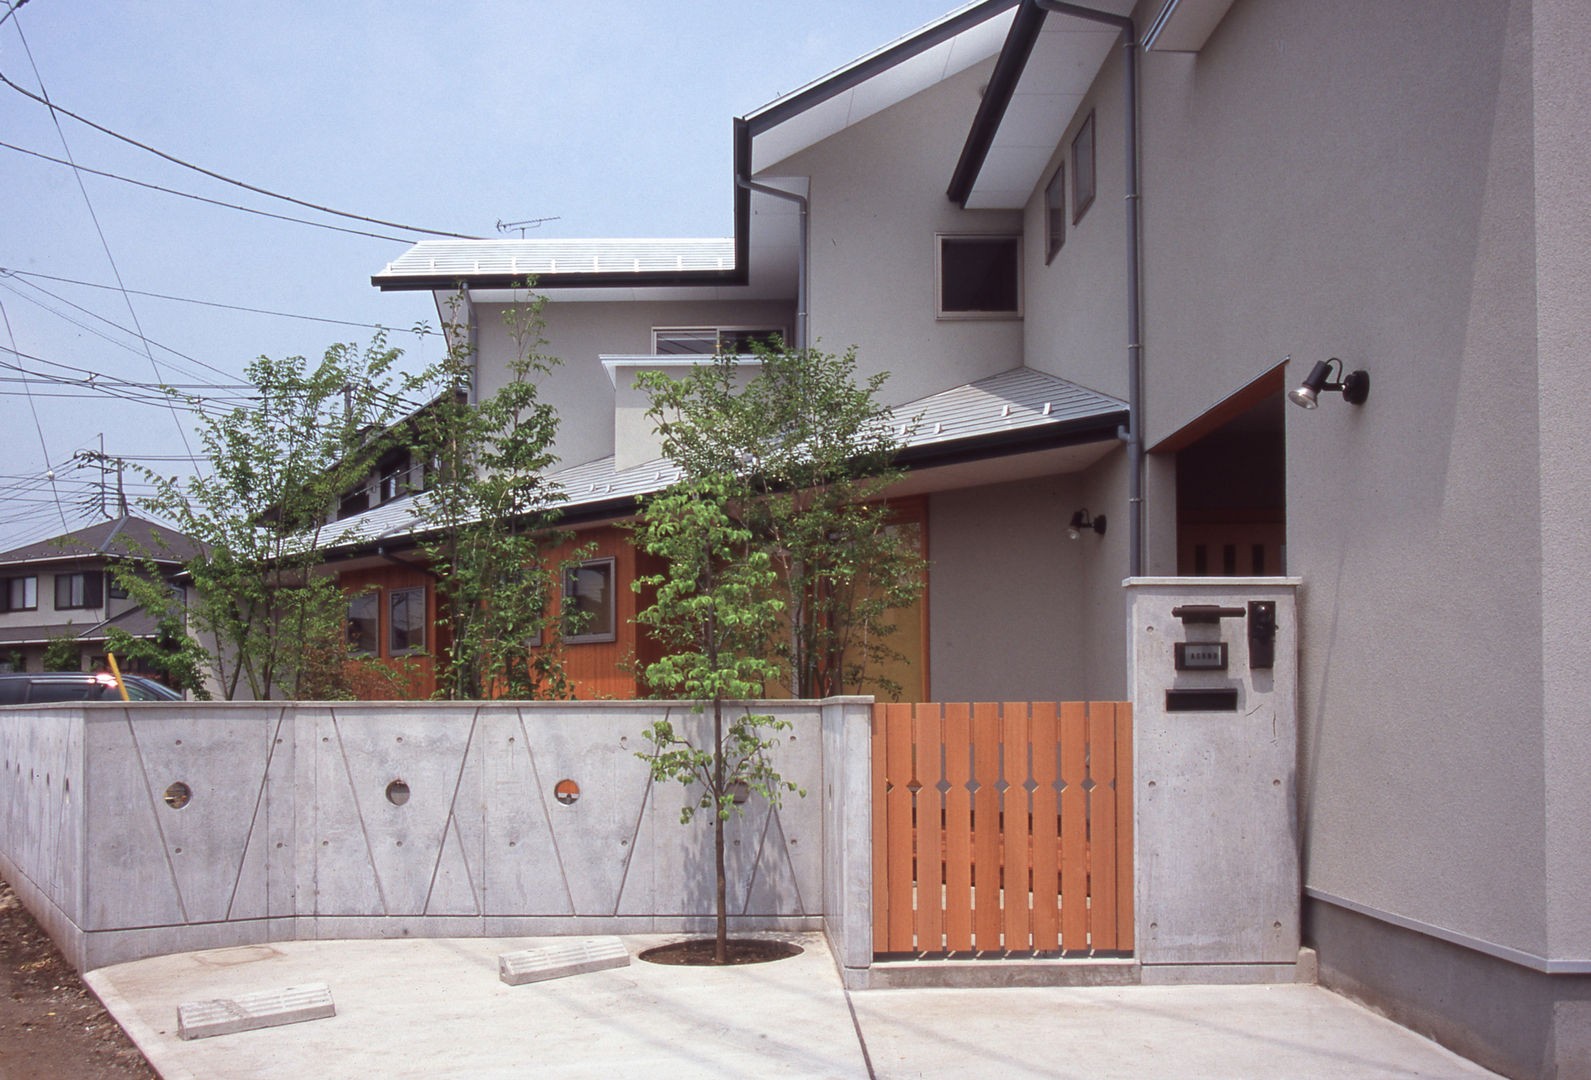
<point x="178" y="795"/>
<point x="397" y="793"/>
<point x="566" y="791"/>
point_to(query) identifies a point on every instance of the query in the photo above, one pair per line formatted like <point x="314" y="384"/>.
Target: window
<point x="588" y="603"/>
<point x="354" y="502"/>
<point x="1055" y="214"/>
<point x="77" y="591"/>
<point x="1083" y="169"/>
<point x="363" y="629"/>
<point x="978" y="277"/>
<point x="20" y="594"/>
<point x="399" y="476"/>
<point x="113" y="588"/>
<point x="405" y="621"/>
<point x="710" y="340"/>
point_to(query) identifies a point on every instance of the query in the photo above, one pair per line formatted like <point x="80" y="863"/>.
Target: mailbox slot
<point x="1223" y="699"/>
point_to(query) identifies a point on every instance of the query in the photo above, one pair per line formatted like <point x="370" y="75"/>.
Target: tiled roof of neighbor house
<point x="136" y="621"/>
<point x="119" y="537"/>
<point x="1017" y="407"/>
<point x="463" y="258"/>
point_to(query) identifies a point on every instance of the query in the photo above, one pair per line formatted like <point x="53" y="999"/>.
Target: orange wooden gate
<point x="1002" y="828"/>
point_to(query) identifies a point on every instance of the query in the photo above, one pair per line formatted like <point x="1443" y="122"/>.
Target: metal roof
<point x="469" y="258"/>
<point x="1008" y="411"/>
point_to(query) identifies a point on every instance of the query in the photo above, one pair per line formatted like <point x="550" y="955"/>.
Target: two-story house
<point x="65" y="587"/>
<point x="1094" y="245"/>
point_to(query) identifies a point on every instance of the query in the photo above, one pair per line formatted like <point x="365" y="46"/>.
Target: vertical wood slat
<point x="1078" y="846"/>
<point x="986" y="826"/>
<point x="928" y="735"/>
<point x="1124" y="827"/>
<point x="1102" y="824"/>
<point x="958" y="829"/>
<point x="880" y="846"/>
<point x="1046" y="834"/>
<point x="898" y="739"/>
<point x="1016" y="836"/>
<point x="1074" y="824"/>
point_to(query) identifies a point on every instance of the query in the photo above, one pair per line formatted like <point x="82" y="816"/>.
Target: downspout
<point x="1134" y="431"/>
<point x="744" y="180"/>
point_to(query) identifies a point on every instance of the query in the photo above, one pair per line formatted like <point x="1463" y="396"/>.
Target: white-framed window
<point x="588" y="602"/>
<point x="20" y="594"/>
<point x="711" y="340"/>
<point x="978" y="276"/>
<point x="364" y="624"/>
<point x="1054" y="214"/>
<point x="405" y="621"/>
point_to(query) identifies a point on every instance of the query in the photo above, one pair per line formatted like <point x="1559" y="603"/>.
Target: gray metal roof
<point x="1019" y="402"/>
<point x="467" y="258"/>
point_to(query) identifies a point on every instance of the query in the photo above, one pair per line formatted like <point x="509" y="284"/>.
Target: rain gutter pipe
<point x="801" y="250"/>
<point x="1135" y="367"/>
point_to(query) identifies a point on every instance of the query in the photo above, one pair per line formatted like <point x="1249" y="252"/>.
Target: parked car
<point x="33" y="687"/>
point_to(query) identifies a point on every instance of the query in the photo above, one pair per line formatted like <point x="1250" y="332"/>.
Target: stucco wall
<point x="580" y="332"/>
<point x="877" y="199"/>
<point x="1355" y="180"/>
<point x="292" y="828"/>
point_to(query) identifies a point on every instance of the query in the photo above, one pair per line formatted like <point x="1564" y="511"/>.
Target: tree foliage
<point x="488" y="514"/>
<point x="171" y="653"/>
<point x="812" y="453"/>
<point x="62" y="653"/>
<point x="715" y="606"/>
<point x="260" y="513"/>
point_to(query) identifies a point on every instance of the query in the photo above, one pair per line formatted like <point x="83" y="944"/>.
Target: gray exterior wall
<point x="290" y="831"/>
<point x="578" y="332"/>
<point x="877" y="199"/>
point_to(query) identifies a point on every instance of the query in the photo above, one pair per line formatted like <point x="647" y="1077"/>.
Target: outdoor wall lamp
<point x="1081" y="521"/>
<point x="1355" y="388"/>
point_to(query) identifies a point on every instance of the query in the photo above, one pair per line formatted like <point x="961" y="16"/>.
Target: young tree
<point x="814" y="452"/>
<point x="260" y="515"/>
<point x="489" y="515"/>
<point x="62" y="653"/>
<point x="172" y="653"/>
<point x="714" y="609"/>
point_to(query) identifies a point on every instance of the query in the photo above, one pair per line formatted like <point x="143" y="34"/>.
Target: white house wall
<point x="579" y="332"/>
<point x="877" y="199"/>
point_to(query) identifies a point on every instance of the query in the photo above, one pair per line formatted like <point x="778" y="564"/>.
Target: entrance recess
<point x="1002" y="829"/>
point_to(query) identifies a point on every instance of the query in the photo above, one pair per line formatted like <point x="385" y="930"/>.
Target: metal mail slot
<point x="1218" y="700"/>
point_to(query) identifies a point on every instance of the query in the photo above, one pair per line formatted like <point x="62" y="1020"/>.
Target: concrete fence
<point x="134" y="830"/>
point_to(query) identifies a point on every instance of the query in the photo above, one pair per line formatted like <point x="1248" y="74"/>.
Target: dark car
<point x="33" y="687"/>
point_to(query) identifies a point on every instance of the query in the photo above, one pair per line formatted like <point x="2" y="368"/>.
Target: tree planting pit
<point x="698" y="952"/>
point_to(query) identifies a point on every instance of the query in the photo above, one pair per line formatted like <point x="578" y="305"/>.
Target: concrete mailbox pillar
<point x="1213" y="675"/>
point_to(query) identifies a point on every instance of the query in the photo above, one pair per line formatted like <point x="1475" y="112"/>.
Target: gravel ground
<point x="51" y="1026"/>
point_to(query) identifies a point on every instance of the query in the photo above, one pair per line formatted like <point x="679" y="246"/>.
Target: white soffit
<point x="1064" y="62"/>
<point x="885" y="88"/>
<point x="1185" y="25"/>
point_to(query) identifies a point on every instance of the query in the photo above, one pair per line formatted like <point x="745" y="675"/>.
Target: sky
<point x="615" y="119"/>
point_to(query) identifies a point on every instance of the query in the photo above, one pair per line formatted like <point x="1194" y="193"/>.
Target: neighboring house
<point x="65" y="586"/>
<point x="1396" y="183"/>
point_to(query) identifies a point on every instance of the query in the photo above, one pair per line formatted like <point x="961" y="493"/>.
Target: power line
<point x="44" y="100"/>
<point x="54" y="119"/>
<point x="34" y="408"/>
<point x="419" y="331"/>
<point x="199" y="198"/>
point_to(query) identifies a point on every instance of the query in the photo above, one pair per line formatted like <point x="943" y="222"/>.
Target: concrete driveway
<point x="436" y="1008"/>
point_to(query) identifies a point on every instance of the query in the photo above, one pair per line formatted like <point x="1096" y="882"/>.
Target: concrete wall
<point x="579" y="332"/>
<point x="289" y="831"/>
<point x="877" y="199"/>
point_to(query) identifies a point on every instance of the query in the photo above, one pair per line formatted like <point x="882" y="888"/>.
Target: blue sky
<point x="613" y="118"/>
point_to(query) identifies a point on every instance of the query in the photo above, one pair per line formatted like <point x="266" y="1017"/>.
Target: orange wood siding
<point x="418" y="671"/>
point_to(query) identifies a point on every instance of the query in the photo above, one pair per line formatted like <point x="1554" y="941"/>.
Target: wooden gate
<point x="1002" y="828"/>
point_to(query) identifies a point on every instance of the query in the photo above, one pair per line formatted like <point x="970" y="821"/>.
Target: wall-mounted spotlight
<point x="1081" y="521"/>
<point x="1355" y="388"/>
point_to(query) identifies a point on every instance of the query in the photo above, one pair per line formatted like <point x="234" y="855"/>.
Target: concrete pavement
<point x="436" y="1008"/>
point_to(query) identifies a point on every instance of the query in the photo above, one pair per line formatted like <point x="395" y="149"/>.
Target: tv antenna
<point x="528" y="223"/>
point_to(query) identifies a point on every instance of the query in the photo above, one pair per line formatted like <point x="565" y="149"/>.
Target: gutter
<point x="991" y="111"/>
